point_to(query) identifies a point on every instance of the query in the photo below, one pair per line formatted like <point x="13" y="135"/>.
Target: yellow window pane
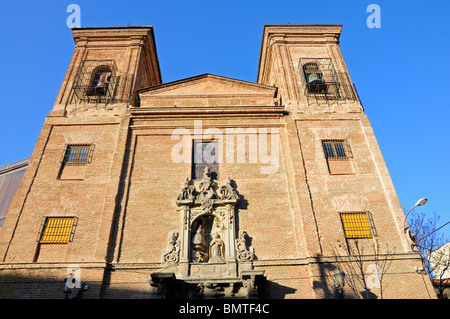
<point x="57" y="230"/>
<point x="356" y="225"/>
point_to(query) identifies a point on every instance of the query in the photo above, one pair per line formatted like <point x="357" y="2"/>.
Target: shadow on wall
<point x="327" y="286"/>
<point x="277" y="291"/>
<point x="13" y="286"/>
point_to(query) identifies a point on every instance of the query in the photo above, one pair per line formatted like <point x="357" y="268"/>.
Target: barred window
<point x="357" y="225"/>
<point x="77" y="154"/>
<point x="57" y="230"/>
<point x="205" y="154"/>
<point x="337" y="149"/>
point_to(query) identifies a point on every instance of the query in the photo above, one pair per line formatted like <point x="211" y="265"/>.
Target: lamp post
<point x="420" y="202"/>
<point x="339" y="277"/>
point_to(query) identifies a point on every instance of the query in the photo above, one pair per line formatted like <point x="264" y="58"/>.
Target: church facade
<point x="208" y="186"/>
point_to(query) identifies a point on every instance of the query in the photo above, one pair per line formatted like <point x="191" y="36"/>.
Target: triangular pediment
<point x="208" y="90"/>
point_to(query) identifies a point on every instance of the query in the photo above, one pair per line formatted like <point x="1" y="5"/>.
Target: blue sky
<point x="400" y="69"/>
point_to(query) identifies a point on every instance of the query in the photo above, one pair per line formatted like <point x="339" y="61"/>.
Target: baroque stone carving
<point x="171" y="255"/>
<point x="206" y="186"/>
<point x="227" y="191"/>
<point x="208" y="258"/>
<point x="205" y="194"/>
<point x="206" y="191"/>
<point x="187" y="192"/>
<point x="242" y="252"/>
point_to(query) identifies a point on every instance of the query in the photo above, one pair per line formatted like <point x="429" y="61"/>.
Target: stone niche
<point x="208" y="257"/>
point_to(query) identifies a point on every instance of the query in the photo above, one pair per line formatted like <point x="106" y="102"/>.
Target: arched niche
<point x="207" y="238"/>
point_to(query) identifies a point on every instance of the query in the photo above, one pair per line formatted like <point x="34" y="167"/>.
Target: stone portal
<point x="208" y="258"/>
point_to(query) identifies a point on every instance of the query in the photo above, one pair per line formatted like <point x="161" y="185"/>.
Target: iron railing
<point x="100" y="81"/>
<point x="321" y="81"/>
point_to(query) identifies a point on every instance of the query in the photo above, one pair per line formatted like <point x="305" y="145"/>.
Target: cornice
<point x="137" y="37"/>
<point x="207" y="111"/>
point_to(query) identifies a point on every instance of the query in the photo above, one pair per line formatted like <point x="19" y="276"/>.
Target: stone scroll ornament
<point x="171" y="255"/>
<point x="242" y="252"/>
<point x="187" y="192"/>
<point x="205" y="193"/>
<point x="227" y="191"/>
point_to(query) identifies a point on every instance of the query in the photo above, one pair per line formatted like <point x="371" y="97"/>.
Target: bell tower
<point x="108" y="66"/>
<point x="333" y="139"/>
<point x="306" y="64"/>
<point x="82" y="144"/>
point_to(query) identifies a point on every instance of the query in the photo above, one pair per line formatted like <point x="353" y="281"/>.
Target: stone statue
<point x="206" y="192"/>
<point x="242" y="253"/>
<point x="199" y="243"/>
<point x="187" y="192"/>
<point x="206" y="186"/>
<point x="217" y="249"/>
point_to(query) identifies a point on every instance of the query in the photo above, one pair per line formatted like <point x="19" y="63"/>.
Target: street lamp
<point x="420" y="202"/>
<point x="339" y="277"/>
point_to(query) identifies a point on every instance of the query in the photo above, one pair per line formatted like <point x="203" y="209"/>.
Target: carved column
<point x="185" y="213"/>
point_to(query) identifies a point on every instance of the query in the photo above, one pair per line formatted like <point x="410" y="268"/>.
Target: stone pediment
<point x="208" y="90"/>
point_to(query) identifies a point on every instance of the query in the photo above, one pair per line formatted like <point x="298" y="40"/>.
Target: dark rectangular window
<point x="336" y="149"/>
<point x="78" y="154"/>
<point x="205" y="154"/>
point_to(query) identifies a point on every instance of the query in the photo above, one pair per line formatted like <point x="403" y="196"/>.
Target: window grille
<point x="96" y="80"/>
<point x="337" y="149"/>
<point x="205" y="154"/>
<point x="57" y="230"/>
<point x="321" y="81"/>
<point x="357" y="225"/>
<point x="77" y="154"/>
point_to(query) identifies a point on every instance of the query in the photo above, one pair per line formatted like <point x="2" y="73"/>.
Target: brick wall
<point x="125" y="199"/>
